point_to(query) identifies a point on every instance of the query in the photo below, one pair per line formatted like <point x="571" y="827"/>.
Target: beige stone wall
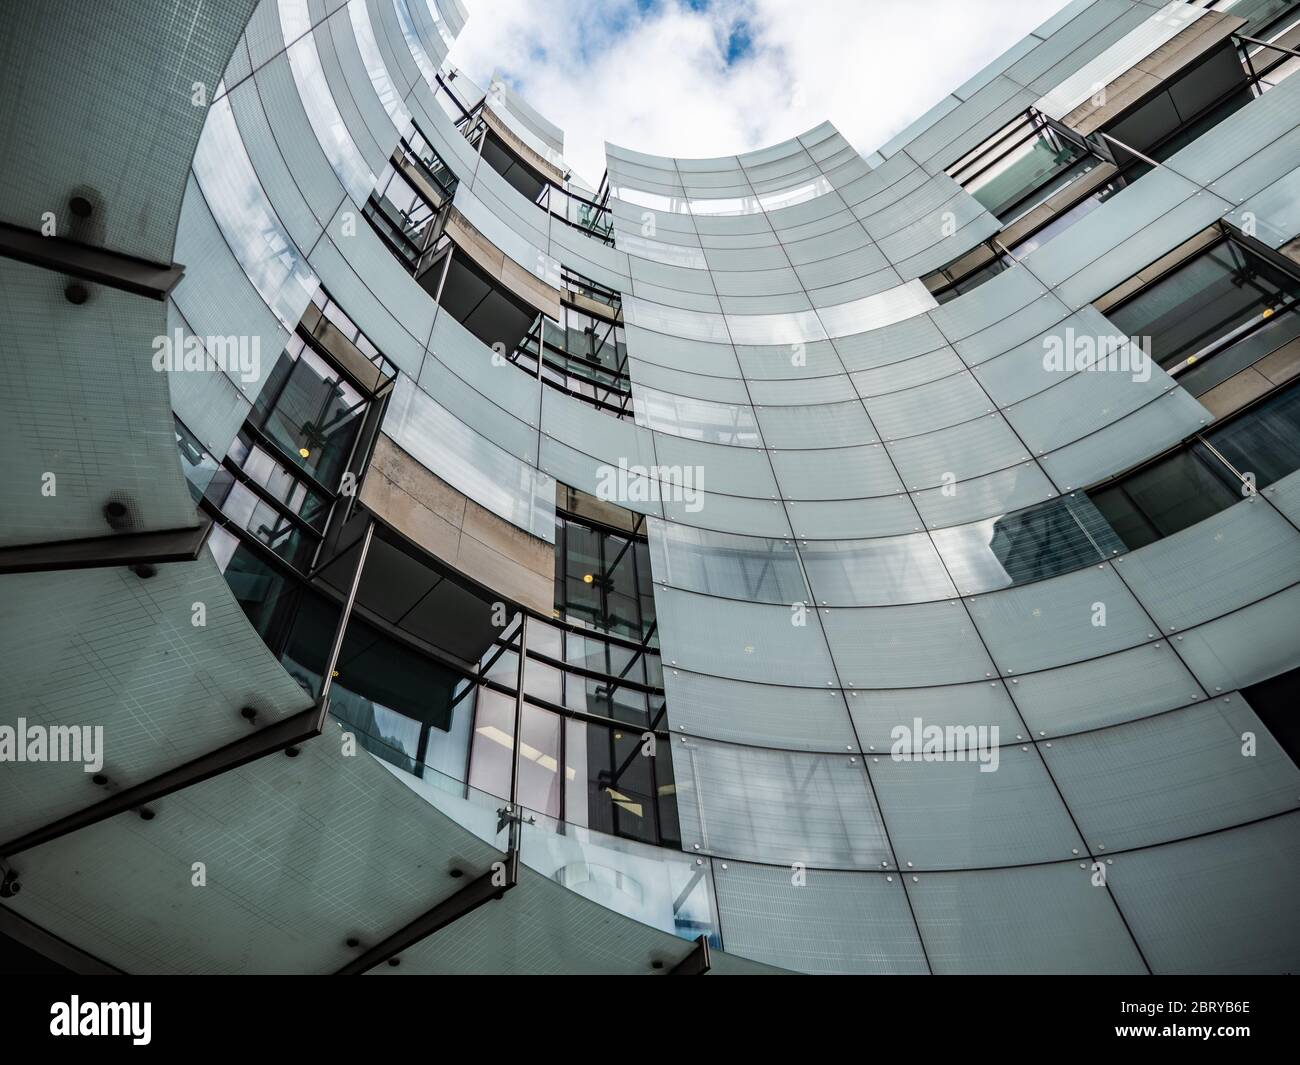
<point x="456" y="530"/>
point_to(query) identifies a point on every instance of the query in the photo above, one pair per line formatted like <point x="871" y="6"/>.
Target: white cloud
<point x="657" y="80"/>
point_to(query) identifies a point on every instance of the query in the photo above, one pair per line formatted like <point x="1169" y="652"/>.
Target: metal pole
<point x="519" y="723"/>
<point x="344" y="617"/>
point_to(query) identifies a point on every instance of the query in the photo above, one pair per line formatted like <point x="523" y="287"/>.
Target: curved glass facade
<point x="869" y="564"/>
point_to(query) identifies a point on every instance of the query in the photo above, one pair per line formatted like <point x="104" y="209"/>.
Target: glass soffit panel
<point x="696" y="419"/>
<point x="777" y="806"/>
<point x="878" y="572"/>
<point x="767" y="715"/>
<point x="837" y="922"/>
<point x="1129" y="50"/>
<point x="751" y="568"/>
<point x="1172" y="776"/>
<point x="975" y="812"/>
<point x="876" y="311"/>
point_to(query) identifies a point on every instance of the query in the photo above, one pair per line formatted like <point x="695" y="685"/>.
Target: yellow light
<point x="334" y="673"/>
<point x="304" y="452"/>
<point x="587" y="578"/>
<point x="621" y="800"/>
<point x="1268" y="312"/>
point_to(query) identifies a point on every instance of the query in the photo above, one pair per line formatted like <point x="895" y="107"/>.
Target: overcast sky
<point x="713" y="77"/>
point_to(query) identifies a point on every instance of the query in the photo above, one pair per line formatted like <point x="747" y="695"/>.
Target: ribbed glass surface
<point x="920" y="707"/>
<point x="777" y="806"/>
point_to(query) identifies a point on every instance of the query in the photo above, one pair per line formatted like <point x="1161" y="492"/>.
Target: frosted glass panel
<point x="960" y="452"/>
<point x="1105" y="691"/>
<point x="877" y="572"/>
<point x="1232" y="558"/>
<point x="1064" y="619"/>
<point x="737" y="567"/>
<point x="747" y="641"/>
<point x="835" y="473"/>
<point x="877" y="712"/>
<point x="953" y="814"/>
<point x="906" y="646"/>
<point x="1172" y="776"/>
<point x="1224" y="903"/>
<point x="777" y="806"/>
<point x="837" y="922"/>
<point x="1046" y="919"/>
<point x="806" y="719"/>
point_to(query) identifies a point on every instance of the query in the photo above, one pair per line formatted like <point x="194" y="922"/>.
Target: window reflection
<point x="1042" y="541"/>
<point x="1204" y="301"/>
<point x="310" y="412"/>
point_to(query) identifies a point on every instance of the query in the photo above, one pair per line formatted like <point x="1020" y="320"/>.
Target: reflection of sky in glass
<point x="349" y="164"/>
<point x="469" y="462"/>
<point x="725" y="205"/>
<point x="427" y="69"/>
<point x="696" y="419"/>
<point x="790" y="327"/>
<point x="444" y="31"/>
<point x="263" y="247"/>
<point x="374" y="61"/>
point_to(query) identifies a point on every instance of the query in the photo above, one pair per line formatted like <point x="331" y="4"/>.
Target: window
<point x="1062" y="221"/>
<point x="602" y="578"/>
<point x="1275" y="701"/>
<point x="1206" y="304"/>
<point x="583" y="354"/>
<point x="952" y="280"/>
<point x="1265" y="439"/>
<point x="482" y="304"/>
<point x="1021" y="165"/>
<point x="1188" y="485"/>
<point x="309" y="412"/>
<point x="402" y="216"/>
<point x="1166" y="496"/>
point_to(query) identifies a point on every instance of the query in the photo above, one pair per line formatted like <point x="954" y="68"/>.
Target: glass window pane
<point x="1203" y="300"/>
<point x="1265" y="440"/>
<point x="492" y="755"/>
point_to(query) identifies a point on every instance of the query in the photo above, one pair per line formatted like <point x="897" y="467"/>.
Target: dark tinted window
<point x="1202" y="301"/>
<point x="1171" y="494"/>
<point x="1265" y="440"/>
<point x="1277" y="702"/>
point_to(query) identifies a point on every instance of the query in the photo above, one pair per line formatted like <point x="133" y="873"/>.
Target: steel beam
<point x="99" y="265"/>
<point x="122" y="549"/>
<point x="300" y="727"/>
<point x="48" y="945"/>
<point x="490" y="885"/>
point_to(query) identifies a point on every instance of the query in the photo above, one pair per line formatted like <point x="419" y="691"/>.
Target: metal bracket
<point x="99" y="265"/>
<point x="696" y="963"/>
<point x="485" y="888"/>
<point x="302" y="726"/>
<point x="60" y="951"/>
<point x="123" y="549"/>
<point x="9" y="882"/>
